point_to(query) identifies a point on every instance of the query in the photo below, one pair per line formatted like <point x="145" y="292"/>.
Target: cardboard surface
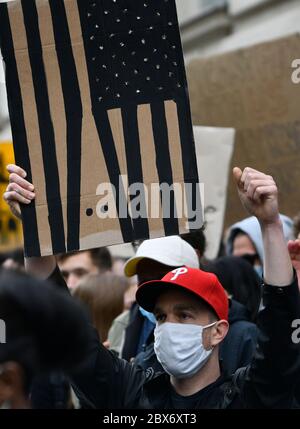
<point x="252" y="90"/>
<point x="214" y="148"/>
<point x="98" y="102"/>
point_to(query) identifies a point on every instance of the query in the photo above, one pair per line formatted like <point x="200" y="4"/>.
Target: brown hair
<point x="101" y="257"/>
<point x="103" y="294"/>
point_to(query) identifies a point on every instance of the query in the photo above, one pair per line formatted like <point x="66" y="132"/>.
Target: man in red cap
<point x="186" y="303"/>
<point x="191" y="311"/>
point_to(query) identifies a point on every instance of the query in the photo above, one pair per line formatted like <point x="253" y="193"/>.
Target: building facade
<point x="210" y="27"/>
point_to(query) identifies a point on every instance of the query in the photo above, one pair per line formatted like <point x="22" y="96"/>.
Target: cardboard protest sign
<point x="99" y="112"/>
<point x="214" y="149"/>
<point x="253" y="91"/>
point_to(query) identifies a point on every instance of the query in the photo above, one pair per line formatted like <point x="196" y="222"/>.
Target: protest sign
<point x="214" y="149"/>
<point x="100" y="120"/>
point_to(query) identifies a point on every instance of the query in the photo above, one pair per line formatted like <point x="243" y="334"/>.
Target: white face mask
<point x="179" y="348"/>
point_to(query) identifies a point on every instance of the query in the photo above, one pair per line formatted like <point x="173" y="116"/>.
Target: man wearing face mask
<point x="154" y="258"/>
<point x="191" y="308"/>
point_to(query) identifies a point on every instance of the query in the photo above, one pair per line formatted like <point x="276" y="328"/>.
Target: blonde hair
<point x="103" y="295"/>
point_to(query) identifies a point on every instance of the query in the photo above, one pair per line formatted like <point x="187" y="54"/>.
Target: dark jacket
<point x="105" y="381"/>
<point x="238" y="347"/>
<point x="133" y="333"/>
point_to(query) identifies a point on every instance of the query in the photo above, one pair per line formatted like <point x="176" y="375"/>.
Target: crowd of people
<point x="169" y="330"/>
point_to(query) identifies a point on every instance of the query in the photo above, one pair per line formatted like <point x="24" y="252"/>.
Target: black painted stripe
<point x="73" y="109"/>
<point x="45" y="126"/>
<point x="186" y="129"/>
<point x="15" y="104"/>
<point x="104" y="131"/>
<point x="111" y="159"/>
<point x="84" y="8"/>
<point x="189" y="159"/>
<point x="134" y="163"/>
<point x="163" y="162"/>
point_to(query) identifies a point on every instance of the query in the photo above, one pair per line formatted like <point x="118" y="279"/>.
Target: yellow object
<point x="11" y="235"/>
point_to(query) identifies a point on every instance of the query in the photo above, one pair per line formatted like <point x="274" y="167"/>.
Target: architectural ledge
<point x="213" y="23"/>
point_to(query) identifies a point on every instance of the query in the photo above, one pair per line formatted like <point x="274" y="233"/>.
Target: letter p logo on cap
<point x="178" y="272"/>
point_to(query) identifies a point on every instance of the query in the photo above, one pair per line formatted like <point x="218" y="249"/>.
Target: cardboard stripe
<point x="73" y="111"/>
<point x="31" y="124"/>
<point x="93" y="165"/>
<point x="135" y="170"/>
<point x="189" y="160"/>
<point x="150" y="173"/>
<point x="163" y="161"/>
<point x="21" y="149"/>
<point x="111" y="159"/>
<point x="56" y="100"/>
<point x="176" y="162"/>
<point x="45" y="125"/>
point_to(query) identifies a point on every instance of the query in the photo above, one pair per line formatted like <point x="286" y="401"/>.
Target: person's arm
<point x="270" y="379"/>
<point x="103" y="381"/>
<point x="20" y="191"/>
<point x="259" y="196"/>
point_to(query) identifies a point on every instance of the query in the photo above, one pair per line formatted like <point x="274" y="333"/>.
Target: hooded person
<point x="45" y="330"/>
<point x="245" y="240"/>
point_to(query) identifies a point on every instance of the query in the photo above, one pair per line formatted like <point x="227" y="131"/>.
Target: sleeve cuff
<point x="291" y="289"/>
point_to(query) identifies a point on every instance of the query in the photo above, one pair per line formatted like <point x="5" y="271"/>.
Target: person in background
<point x="240" y="281"/>
<point x="45" y="330"/>
<point x="197" y="240"/>
<point x="297" y="226"/>
<point x="243" y="287"/>
<point x="294" y="247"/>
<point x="75" y="265"/>
<point x="103" y="295"/>
<point x="245" y="240"/>
<point x="118" y="269"/>
<point x="116" y="334"/>
<point x="154" y="258"/>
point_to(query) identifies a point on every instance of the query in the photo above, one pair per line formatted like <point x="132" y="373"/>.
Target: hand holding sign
<point x="19" y="190"/>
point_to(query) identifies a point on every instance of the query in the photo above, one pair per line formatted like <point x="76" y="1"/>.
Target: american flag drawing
<point x="96" y="89"/>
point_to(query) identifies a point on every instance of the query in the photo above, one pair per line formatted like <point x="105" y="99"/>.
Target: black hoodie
<point x="238" y="347"/>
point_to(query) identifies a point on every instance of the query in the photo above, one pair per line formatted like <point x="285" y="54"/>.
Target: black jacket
<point x="132" y="333"/>
<point x="105" y="381"/>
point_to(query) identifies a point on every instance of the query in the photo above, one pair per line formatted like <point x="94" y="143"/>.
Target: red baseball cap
<point x="204" y="285"/>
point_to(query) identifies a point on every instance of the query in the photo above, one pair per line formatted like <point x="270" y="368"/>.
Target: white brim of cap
<point x="130" y="267"/>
